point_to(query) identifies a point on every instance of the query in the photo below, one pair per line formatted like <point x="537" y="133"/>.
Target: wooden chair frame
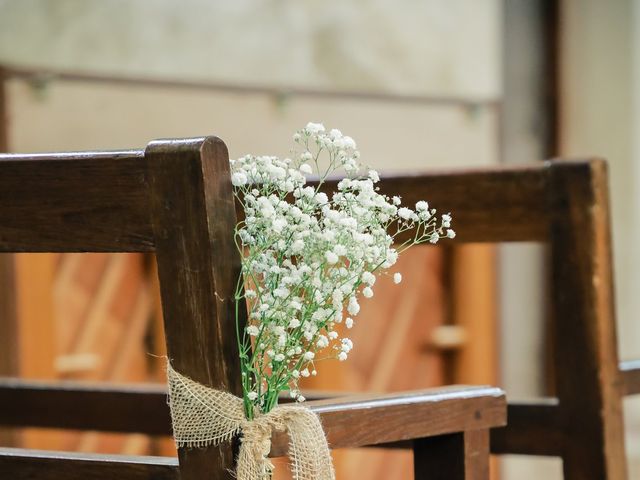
<point x="564" y="204"/>
<point x="175" y="199"/>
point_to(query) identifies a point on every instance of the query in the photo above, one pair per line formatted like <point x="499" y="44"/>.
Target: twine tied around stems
<point x="204" y="416"/>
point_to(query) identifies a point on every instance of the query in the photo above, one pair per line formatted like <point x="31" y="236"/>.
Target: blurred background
<point x="429" y="84"/>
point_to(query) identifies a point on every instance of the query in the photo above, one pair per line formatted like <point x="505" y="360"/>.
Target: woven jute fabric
<point x="203" y="416"/>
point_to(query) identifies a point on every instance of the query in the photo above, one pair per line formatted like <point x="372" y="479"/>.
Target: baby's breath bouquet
<point x="307" y="257"/>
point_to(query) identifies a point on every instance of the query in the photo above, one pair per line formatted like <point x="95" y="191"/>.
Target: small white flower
<point x="253" y="330"/>
<point x="294" y="323"/>
<point x="314" y="373"/>
<point x="309" y="356"/>
<point x="238" y="179"/>
<point x="314" y="128"/>
<point x="422" y="206"/>
<point x="434" y="238"/>
<point x="252" y="396"/>
<point x="349" y="322"/>
<point x="446" y="220"/>
<point x="300" y="398"/>
<point x="405" y="213"/>
<point x="322" y="198"/>
<point x="340" y="250"/>
<point x="396" y="200"/>
<point x="348" y="142"/>
<point x="373" y="175"/>
<point x="368" y="278"/>
<point x="354" y="307"/>
<point x="342" y="356"/>
<point x="279" y="357"/>
<point x="367" y="292"/>
<point x="306" y="169"/>
<point x="451" y="233"/>
<point x="305" y="372"/>
<point x="397" y="277"/>
<point x="331" y="257"/>
<point x="347" y="345"/>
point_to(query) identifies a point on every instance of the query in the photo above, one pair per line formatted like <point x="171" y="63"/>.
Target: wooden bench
<point x="565" y="205"/>
<point x="175" y="199"/>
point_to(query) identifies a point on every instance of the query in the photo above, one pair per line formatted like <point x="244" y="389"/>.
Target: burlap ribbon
<point x="204" y="416"/>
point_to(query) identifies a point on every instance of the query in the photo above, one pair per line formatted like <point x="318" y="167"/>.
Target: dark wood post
<point x="458" y="456"/>
<point x="588" y="383"/>
<point x="193" y="221"/>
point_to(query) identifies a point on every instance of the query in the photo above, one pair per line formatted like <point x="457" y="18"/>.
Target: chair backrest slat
<point x="43" y="465"/>
<point x="496" y="204"/>
<point x="74" y="202"/>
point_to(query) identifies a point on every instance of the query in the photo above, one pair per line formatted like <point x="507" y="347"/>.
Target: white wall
<point x="443" y="48"/>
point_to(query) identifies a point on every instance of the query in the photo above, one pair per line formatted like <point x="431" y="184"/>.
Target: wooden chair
<point x="564" y="204"/>
<point x="175" y="199"/>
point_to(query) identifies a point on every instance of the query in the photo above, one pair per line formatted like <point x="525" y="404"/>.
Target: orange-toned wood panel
<point x="83" y="317"/>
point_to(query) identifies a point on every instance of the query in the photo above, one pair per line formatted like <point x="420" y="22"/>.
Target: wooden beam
<point x="194" y="218"/>
<point x="630" y="371"/>
<point x="75" y="202"/>
<point x="368" y="419"/>
<point x="18" y="463"/>
<point x="533" y="428"/>
<point x="117" y="409"/>
<point x="588" y="382"/>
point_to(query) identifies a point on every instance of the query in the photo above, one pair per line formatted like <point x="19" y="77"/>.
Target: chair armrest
<point x="364" y="420"/>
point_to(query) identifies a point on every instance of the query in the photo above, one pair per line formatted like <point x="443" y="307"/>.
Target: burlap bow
<point x="204" y="416"/>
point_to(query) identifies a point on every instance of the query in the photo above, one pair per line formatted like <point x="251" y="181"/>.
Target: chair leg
<point x="458" y="456"/>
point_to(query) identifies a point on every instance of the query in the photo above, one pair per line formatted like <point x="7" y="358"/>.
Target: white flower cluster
<point x="307" y="256"/>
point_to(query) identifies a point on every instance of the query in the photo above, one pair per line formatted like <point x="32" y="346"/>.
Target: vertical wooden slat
<point x="458" y="456"/>
<point x="588" y="383"/>
<point x="194" y="218"/>
<point x="8" y="316"/>
<point x="35" y="335"/>
<point x="8" y="330"/>
<point x="8" y="354"/>
<point x="474" y="309"/>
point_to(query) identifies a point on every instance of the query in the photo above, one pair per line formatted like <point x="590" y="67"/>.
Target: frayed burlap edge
<point x="203" y="416"/>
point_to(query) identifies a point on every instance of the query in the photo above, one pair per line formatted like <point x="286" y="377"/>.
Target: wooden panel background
<point x="84" y="317"/>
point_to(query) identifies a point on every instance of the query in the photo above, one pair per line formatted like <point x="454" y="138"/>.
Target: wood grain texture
<point x="498" y="204"/>
<point x="630" y="371"/>
<point x="377" y="419"/>
<point x="117" y="408"/>
<point x="533" y="428"/>
<point x="21" y="464"/>
<point x="112" y="215"/>
<point x="457" y="456"/>
<point x="85" y="406"/>
<point x="74" y="202"/>
<point x="8" y="316"/>
<point x="349" y="422"/>
<point x="588" y="383"/>
<point x="193" y="220"/>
